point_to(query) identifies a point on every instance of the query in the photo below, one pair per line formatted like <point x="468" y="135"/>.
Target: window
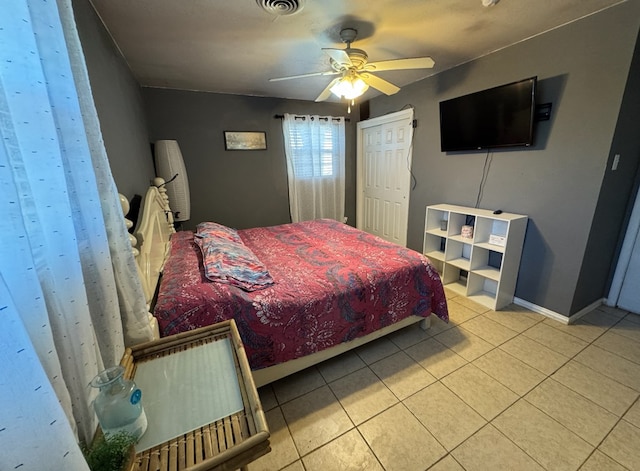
<point x="315" y="151"/>
<point x="307" y="167"/>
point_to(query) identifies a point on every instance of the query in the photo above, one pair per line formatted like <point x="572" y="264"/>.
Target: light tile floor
<point x="509" y="390"/>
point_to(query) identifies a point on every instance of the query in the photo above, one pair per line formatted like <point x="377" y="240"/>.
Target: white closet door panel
<point x="630" y="291"/>
<point x="384" y="172"/>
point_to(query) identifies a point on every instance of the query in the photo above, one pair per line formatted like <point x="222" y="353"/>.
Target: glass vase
<point x="119" y="404"/>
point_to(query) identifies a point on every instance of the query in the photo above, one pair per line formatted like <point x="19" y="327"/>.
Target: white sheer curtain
<point x="68" y="281"/>
<point x="315" y="150"/>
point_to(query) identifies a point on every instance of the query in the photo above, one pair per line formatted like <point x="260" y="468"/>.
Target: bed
<point x="309" y="291"/>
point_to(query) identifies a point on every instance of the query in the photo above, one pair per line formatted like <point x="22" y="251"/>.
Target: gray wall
<point x="237" y="188"/>
<point x="118" y="103"/>
<point x="617" y="194"/>
<point x="582" y="69"/>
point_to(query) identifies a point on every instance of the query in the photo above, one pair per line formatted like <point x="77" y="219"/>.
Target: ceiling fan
<point x="356" y="74"/>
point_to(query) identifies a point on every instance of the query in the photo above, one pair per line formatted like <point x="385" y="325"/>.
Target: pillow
<point x="233" y="263"/>
<point x="215" y="230"/>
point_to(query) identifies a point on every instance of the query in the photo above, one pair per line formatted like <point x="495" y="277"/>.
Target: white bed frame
<point x="150" y="241"/>
<point x="154" y="229"/>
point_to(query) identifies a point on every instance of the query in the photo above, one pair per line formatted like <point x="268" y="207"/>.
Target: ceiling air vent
<point x="281" y="7"/>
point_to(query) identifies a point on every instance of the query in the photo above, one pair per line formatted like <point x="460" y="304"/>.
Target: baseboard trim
<point x="541" y="310"/>
<point x="586" y="310"/>
<point x="555" y="315"/>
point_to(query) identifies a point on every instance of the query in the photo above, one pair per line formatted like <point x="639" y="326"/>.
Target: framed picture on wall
<point x="245" y="140"/>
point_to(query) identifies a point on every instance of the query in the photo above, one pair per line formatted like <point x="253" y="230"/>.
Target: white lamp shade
<point x="169" y="163"/>
<point x="349" y="87"/>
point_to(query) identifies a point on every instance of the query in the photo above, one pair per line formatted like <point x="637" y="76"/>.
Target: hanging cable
<point x="169" y="181"/>
<point x="485" y="173"/>
<point x="414" y="181"/>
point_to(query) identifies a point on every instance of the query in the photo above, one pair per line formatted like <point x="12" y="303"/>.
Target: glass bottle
<point x="118" y="404"/>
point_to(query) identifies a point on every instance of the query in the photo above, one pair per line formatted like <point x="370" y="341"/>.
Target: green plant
<point x="109" y="453"/>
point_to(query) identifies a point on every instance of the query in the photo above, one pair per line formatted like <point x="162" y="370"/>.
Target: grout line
<point x="467" y="362"/>
<point x="369" y="447"/>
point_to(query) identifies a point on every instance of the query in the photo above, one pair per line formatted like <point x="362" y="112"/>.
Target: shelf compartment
<point x="488" y="246"/>
<point x="455" y="279"/>
<point x="438" y="265"/>
<point x="488" y="272"/>
<point x="479" y="283"/>
<point x="460" y="262"/>
<point x="437" y="232"/>
<point x="434" y="246"/>
<point x="462" y="240"/>
<point x="456" y="249"/>
<point x="456" y="221"/>
<point x="486" y="261"/>
<point x="487" y="226"/>
<point x="458" y="254"/>
<point x="458" y="287"/>
<point x="482" y="290"/>
<point x="434" y="220"/>
<point x="437" y="255"/>
<point x="485" y="298"/>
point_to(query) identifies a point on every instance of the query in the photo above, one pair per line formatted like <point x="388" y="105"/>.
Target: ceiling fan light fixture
<point x="349" y="87"/>
<point x="357" y="74"/>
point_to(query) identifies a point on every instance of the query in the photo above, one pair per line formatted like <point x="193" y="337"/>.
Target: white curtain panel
<point x="68" y="278"/>
<point x="315" y="151"/>
<point x="36" y="433"/>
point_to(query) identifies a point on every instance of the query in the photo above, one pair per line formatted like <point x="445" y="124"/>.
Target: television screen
<point x="497" y="117"/>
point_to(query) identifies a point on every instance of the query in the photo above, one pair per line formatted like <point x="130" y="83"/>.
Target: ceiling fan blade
<point x="399" y="64"/>
<point x="313" y="74"/>
<point x="338" y="55"/>
<point x="380" y="84"/>
<point x="326" y="93"/>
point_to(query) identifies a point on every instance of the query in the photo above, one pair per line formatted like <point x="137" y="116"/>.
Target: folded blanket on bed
<point x="227" y="260"/>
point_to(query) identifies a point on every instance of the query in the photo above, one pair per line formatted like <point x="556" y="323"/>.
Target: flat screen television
<point x="497" y="117"/>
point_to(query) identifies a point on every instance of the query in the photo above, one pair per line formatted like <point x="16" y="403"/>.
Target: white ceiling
<point x="235" y="46"/>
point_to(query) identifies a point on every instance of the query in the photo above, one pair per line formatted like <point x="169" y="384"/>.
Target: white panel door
<point x="630" y="292"/>
<point x="384" y="176"/>
<point x="625" y="286"/>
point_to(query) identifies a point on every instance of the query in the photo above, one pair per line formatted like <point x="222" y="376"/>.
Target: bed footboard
<point x="268" y="375"/>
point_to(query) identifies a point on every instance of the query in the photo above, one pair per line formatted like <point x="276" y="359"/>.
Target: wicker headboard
<point x="150" y="241"/>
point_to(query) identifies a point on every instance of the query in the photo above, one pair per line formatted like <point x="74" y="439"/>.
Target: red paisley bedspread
<point x="333" y="283"/>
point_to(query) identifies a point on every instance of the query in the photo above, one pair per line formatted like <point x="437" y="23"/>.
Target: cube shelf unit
<point x="485" y="267"/>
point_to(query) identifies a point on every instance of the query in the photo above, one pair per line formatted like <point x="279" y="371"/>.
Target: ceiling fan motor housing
<point x="357" y="56"/>
<point x="348" y="35"/>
